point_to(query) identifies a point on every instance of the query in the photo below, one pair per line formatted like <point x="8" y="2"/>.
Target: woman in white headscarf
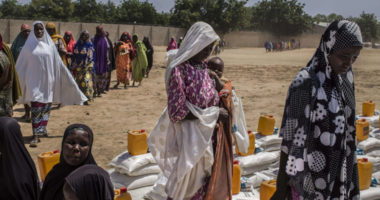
<point x="182" y="141"/>
<point x="44" y="79"/>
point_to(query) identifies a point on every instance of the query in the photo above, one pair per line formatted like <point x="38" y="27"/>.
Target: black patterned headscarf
<point x="318" y="127"/>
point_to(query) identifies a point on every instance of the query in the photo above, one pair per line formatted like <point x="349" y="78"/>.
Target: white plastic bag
<point x="239" y="127"/>
<point x="158" y="190"/>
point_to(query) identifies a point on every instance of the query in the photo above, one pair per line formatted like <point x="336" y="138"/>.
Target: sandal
<point x="34" y="141"/>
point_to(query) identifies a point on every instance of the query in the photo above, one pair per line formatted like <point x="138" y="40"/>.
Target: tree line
<point x="280" y="17"/>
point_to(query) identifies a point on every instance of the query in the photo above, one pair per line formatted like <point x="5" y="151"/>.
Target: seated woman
<point x="76" y="151"/>
<point x="88" y="182"/>
<point x="19" y="179"/>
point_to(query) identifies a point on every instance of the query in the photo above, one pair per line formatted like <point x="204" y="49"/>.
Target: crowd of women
<point x="192" y="140"/>
<point x="43" y="67"/>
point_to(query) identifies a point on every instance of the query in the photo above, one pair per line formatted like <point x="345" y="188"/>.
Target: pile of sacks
<point x="370" y="149"/>
<point x="261" y="166"/>
<point x="134" y="172"/>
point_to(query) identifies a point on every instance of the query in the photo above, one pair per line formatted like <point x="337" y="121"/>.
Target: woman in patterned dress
<point x="182" y="141"/>
<point x="83" y="65"/>
<point x="318" y="159"/>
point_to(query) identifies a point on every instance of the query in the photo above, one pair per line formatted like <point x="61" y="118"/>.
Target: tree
<point x="281" y="17"/>
<point x="51" y="9"/>
<point x="368" y="25"/>
<point x="163" y="19"/>
<point x="332" y="17"/>
<point x="223" y="15"/>
<point x="320" y="18"/>
<point x="11" y="9"/>
<point x="89" y="11"/>
<point x="135" y="11"/>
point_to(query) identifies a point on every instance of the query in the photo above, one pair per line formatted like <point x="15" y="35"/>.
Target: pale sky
<point x="312" y="7"/>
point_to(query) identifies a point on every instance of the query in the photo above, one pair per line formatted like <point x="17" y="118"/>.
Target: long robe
<point x="43" y="76"/>
<point x="140" y="63"/>
<point x="123" y="62"/>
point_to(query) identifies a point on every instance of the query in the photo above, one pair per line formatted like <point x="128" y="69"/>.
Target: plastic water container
<point x="122" y="194"/>
<point x="368" y="108"/>
<point x="251" y="148"/>
<point x="266" y="125"/>
<point x="365" y="173"/>
<point x="267" y="189"/>
<point x="137" y="142"/>
<point x="46" y="162"/>
<point x="362" y="129"/>
<point x="236" y="175"/>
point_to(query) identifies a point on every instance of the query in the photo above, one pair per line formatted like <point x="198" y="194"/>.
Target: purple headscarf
<point x="100" y="45"/>
<point x="172" y="44"/>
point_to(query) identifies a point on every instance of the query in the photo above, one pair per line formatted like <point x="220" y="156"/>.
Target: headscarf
<point x="90" y="182"/>
<point x="147" y="43"/>
<point x="55" y="36"/>
<point x="19" y="42"/>
<point x="100" y="45"/>
<point x="79" y="57"/>
<point x="19" y="179"/>
<point x="198" y="37"/>
<point x="172" y="44"/>
<point x="318" y="127"/>
<point x="71" y="44"/>
<point x="25" y="27"/>
<point x="111" y="53"/>
<point x="55" y="179"/>
<point x="140" y="63"/>
<point x="43" y="76"/>
<point x="11" y="79"/>
<point x="129" y="40"/>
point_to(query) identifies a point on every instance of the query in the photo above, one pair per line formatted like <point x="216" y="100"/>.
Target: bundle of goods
<point x="134" y="172"/>
<point x="258" y="162"/>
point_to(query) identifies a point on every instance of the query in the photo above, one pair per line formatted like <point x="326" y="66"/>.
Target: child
<point x="216" y="69"/>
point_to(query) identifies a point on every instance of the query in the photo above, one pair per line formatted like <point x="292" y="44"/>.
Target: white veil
<point x="198" y="37"/>
<point x="43" y="76"/>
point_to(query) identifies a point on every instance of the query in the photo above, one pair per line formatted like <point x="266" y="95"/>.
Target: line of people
<point x="49" y="68"/>
<point x="282" y="45"/>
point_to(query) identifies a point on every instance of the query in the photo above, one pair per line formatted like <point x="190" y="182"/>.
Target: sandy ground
<point x="261" y="80"/>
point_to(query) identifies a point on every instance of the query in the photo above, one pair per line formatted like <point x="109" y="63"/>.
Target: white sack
<point x="132" y="182"/>
<point x="125" y="163"/>
<point x="258" y="160"/>
<point x="369" y="144"/>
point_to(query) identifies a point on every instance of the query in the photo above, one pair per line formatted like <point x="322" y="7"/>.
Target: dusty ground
<point x="261" y="80"/>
